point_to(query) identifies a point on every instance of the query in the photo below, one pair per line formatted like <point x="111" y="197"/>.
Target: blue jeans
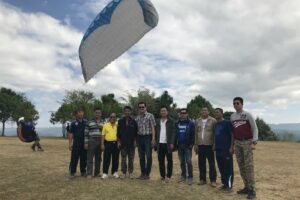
<point x="185" y="156"/>
<point x="145" y="151"/>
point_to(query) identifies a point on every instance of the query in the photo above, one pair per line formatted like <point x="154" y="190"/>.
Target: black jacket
<point x="171" y="134"/>
<point x="127" y="134"/>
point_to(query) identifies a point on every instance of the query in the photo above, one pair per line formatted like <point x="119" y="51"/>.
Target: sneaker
<point x="72" y="176"/>
<point x="141" y="177"/>
<point x="116" y="175"/>
<point x="40" y="148"/>
<point x="213" y="184"/>
<point x="243" y="191"/>
<point x="190" y="181"/>
<point x="123" y="176"/>
<point x="131" y="176"/>
<point x="104" y="176"/>
<point x="167" y="180"/>
<point x="202" y="182"/>
<point x="251" y="194"/>
<point x="181" y="179"/>
<point x="223" y="187"/>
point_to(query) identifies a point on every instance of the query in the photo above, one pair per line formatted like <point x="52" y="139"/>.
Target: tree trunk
<point x="3" y="127"/>
<point x="63" y="130"/>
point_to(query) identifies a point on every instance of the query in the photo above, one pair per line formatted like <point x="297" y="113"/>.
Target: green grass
<point x="44" y="175"/>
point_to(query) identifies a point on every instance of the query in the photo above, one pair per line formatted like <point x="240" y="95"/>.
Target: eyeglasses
<point x="236" y="103"/>
<point x="141" y="107"/>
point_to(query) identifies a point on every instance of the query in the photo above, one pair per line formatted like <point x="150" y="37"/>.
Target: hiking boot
<point x="251" y="194"/>
<point x="181" y="179"/>
<point x="213" y="184"/>
<point x="190" y="181"/>
<point x="243" y="191"/>
<point x="202" y="182"/>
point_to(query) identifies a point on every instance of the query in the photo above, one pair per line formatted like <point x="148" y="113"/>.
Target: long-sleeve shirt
<point x="244" y="126"/>
<point x="93" y="129"/>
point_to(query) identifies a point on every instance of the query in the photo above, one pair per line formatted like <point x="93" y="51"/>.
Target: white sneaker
<point x="116" y="175"/>
<point x="104" y="176"/>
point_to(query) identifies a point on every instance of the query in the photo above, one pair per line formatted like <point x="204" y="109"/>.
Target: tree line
<point x="14" y="105"/>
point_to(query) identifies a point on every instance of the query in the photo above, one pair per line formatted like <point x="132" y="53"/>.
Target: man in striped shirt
<point x="92" y="139"/>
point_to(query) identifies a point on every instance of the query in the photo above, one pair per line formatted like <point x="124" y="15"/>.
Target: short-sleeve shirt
<point x="145" y="123"/>
<point x="110" y="132"/>
<point x="77" y="129"/>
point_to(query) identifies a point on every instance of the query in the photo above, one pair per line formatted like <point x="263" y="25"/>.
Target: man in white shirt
<point x="165" y="139"/>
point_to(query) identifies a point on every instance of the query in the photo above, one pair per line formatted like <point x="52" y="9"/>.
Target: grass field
<point x="25" y="174"/>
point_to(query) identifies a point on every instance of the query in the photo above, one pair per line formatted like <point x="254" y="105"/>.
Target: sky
<point x="218" y="49"/>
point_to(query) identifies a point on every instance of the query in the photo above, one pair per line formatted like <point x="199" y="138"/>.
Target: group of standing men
<point x="207" y="135"/>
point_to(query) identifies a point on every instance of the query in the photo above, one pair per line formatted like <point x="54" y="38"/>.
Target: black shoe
<point x="243" y="191"/>
<point x="251" y="194"/>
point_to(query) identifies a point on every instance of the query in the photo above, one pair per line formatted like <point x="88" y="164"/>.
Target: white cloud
<point x="219" y="49"/>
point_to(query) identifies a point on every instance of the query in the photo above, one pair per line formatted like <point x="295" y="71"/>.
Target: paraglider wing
<point x="120" y="25"/>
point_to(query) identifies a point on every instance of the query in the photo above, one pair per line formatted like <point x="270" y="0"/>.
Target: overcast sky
<point x="219" y="49"/>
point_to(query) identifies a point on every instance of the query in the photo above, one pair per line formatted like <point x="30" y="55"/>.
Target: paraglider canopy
<point x="120" y="25"/>
<point x="26" y="130"/>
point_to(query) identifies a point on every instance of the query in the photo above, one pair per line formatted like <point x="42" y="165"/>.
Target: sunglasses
<point x="236" y="103"/>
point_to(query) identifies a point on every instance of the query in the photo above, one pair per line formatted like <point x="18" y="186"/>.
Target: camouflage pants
<point x="244" y="156"/>
<point x="127" y="152"/>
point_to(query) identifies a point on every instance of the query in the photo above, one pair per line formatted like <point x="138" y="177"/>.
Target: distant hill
<point x="289" y="128"/>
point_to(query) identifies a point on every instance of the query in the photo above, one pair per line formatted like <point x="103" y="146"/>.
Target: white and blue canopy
<point x="120" y="25"/>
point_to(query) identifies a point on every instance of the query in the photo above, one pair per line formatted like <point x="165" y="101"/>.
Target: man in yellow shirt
<point x="111" y="151"/>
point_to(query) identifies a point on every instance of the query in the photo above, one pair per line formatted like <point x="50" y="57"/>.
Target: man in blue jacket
<point x="185" y="133"/>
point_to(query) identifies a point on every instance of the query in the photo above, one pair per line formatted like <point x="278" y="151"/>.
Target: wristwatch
<point x="254" y="142"/>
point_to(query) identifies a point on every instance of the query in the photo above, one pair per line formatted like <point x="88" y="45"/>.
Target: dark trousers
<point x="206" y="152"/>
<point x="111" y="152"/>
<point x="94" y="152"/>
<point x="145" y="151"/>
<point x="185" y="156"/>
<point x="78" y="151"/>
<point x="225" y="165"/>
<point x="163" y="152"/>
<point x="127" y="152"/>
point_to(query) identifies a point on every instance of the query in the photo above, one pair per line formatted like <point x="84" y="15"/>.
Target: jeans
<point x="185" y="155"/>
<point x="145" y="151"/>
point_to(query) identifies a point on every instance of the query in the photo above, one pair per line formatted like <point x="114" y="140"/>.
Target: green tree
<point x="75" y="99"/>
<point x="264" y="131"/>
<point x="166" y="100"/>
<point x="14" y="105"/>
<point x="109" y="104"/>
<point x="227" y="114"/>
<point x="144" y="95"/>
<point x="195" y="105"/>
